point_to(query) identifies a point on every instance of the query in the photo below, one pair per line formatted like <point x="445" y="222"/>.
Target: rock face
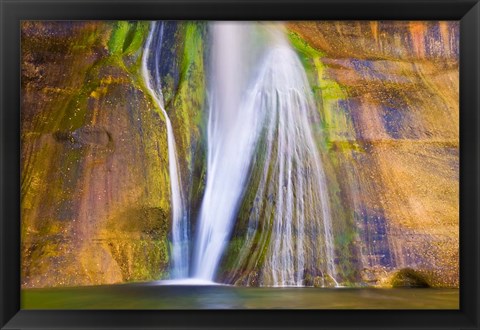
<point x="389" y="96"/>
<point x="95" y="183"/>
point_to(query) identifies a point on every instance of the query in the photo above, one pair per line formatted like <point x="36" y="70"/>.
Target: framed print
<point x="196" y="164"/>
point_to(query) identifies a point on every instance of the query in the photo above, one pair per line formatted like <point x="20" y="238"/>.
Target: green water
<point x="149" y="296"/>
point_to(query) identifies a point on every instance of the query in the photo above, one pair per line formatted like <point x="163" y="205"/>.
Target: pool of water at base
<point x="157" y="296"/>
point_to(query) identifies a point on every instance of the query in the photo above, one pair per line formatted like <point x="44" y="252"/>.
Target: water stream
<point x="232" y="132"/>
<point x="180" y="240"/>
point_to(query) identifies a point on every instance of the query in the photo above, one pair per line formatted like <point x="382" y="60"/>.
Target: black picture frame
<point x="14" y="11"/>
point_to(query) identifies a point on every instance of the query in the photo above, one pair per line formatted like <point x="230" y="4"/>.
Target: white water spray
<point x="180" y="253"/>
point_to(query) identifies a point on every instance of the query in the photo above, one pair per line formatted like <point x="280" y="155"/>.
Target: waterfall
<point x="151" y="59"/>
<point x="259" y="127"/>
<point x="292" y="189"/>
<point x="259" y="140"/>
<point x="232" y="127"/>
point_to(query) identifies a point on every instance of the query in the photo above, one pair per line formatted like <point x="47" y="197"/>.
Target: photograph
<point x="200" y="164"/>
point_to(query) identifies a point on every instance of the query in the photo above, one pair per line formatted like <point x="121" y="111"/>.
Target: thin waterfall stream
<point x="180" y="239"/>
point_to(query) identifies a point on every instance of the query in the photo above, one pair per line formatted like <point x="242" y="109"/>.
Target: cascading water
<point x="259" y="118"/>
<point x="292" y="189"/>
<point x="259" y="129"/>
<point x="232" y="127"/>
<point x="180" y="241"/>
